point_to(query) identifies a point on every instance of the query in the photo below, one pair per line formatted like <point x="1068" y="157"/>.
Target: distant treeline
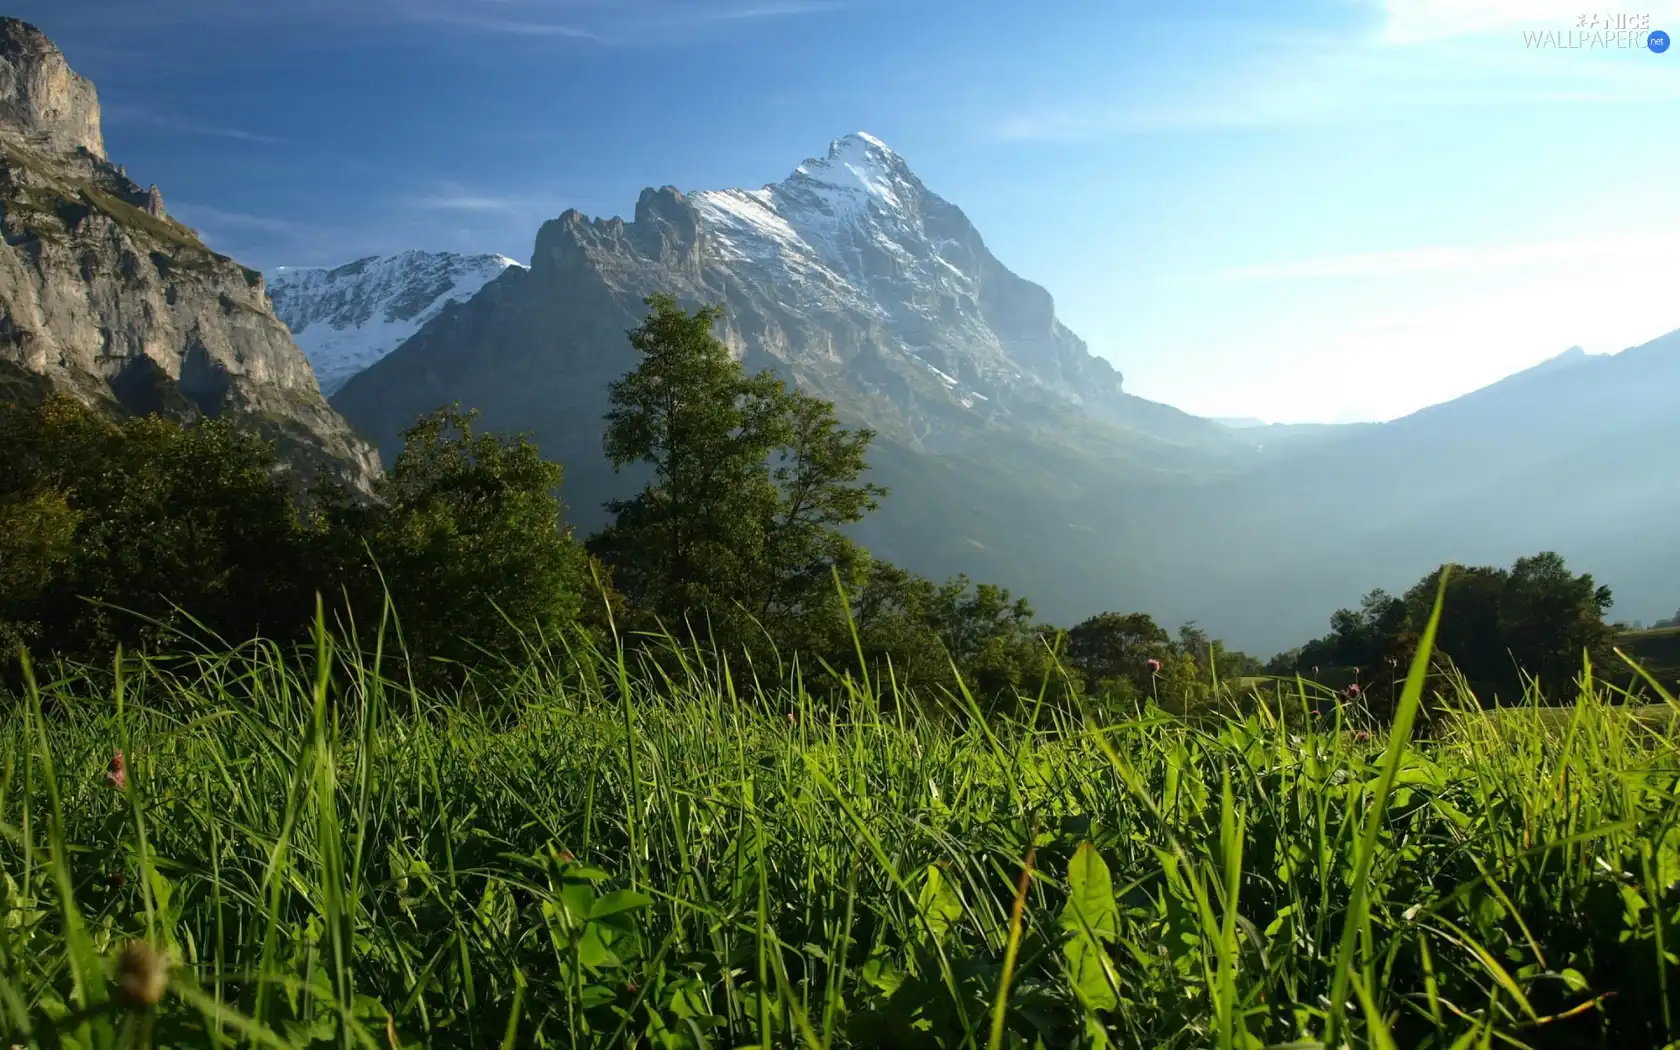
<point x="155" y="537"/>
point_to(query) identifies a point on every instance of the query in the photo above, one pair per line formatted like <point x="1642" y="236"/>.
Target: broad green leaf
<point x="940" y="905"/>
<point x="1092" y="919"/>
<point x="579" y="898"/>
<point x="619" y="901"/>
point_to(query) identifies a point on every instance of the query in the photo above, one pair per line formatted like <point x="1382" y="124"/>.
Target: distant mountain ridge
<point x="1576" y="454"/>
<point x="347" y="317"/>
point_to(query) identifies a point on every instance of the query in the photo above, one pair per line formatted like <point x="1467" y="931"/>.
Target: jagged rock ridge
<point x="850" y="278"/>
<point x="350" y="316"/>
<point x="104" y="296"/>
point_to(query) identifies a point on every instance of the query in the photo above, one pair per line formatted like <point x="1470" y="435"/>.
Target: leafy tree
<point x="1112" y="652"/>
<point x="1367" y="637"/>
<point x="37" y="540"/>
<point x="815" y="470"/>
<point x="919" y="635"/>
<point x="1498" y="627"/>
<point x="1549" y="617"/>
<point x="993" y="638"/>
<point x="128" y="532"/>
<point x="893" y="612"/>
<point x="1369" y="647"/>
<point x="751" y="484"/>
<point x="468" y="540"/>
<point x="1470" y="632"/>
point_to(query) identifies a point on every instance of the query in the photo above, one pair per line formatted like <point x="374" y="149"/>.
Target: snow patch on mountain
<point x="854" y="238"/>
<point x="858" y="162"/>
<point x="347" y="317"/>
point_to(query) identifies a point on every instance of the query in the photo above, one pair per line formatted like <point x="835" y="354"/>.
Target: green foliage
<point x="1500" y="626"/>
<point x="681" y="866"/>
<point x="37" y="538"/>
<point x="144" y="533"/>
<point x="947" y="637"/>
<point x="1112" y="646"/>
<point x="1536" y="616"/>
<point x="468" y="543"/>
<point x="1091" y="919"/>
<point x="752" y="483"/>
<point x="127" y="533"/>
<point x="1125" y="658"/>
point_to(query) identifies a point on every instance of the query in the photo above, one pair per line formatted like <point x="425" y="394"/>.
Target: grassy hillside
<point x="331" y="860"/>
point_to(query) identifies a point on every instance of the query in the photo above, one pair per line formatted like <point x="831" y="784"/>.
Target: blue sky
<point x="1332" y="210"/>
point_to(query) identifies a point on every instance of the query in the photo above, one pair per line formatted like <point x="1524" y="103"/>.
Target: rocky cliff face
<point x="41" y="98"/>
<point x="104" y="296"/>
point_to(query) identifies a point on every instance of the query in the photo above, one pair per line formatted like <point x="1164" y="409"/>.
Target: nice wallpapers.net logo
<point x="1601" y="33"/>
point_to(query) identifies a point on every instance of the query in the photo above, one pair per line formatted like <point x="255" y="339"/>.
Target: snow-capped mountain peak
<point x="347" y="317"/>
<point x="856" y="233"/>
<point x="849" y="278"/>
<point x="861" y="163"/>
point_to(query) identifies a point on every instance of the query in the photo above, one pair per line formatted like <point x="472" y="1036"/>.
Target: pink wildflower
<point x="1353" y="690"/>
<point x="1154" y="665"/>
<point x="118" y="776"/>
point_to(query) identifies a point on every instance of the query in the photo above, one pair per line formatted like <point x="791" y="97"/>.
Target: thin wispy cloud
<point x="186" y="125"/>
<point x="499" y="25"/>
<point x="611" y="22"/>
<point x="523" y="201"/>
<point x="623" y="24"/>
<point x="265" y="240"/>
<point x="786" y="9"/>
<point x="472" y="202"/>
<point x="210" y="217"/>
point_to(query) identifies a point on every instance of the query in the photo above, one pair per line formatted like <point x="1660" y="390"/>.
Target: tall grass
<point x="623" y="858"/>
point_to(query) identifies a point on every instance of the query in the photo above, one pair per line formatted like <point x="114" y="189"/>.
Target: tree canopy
<point x="1500" y="628"/>
<point x="148" y="534"/>
<point x="752" y="484"/>
<point x="468" y="540"/>
<point x="126" y="533"/>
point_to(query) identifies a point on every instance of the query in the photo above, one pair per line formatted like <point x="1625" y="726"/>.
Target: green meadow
<point x="621" y="852"/>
